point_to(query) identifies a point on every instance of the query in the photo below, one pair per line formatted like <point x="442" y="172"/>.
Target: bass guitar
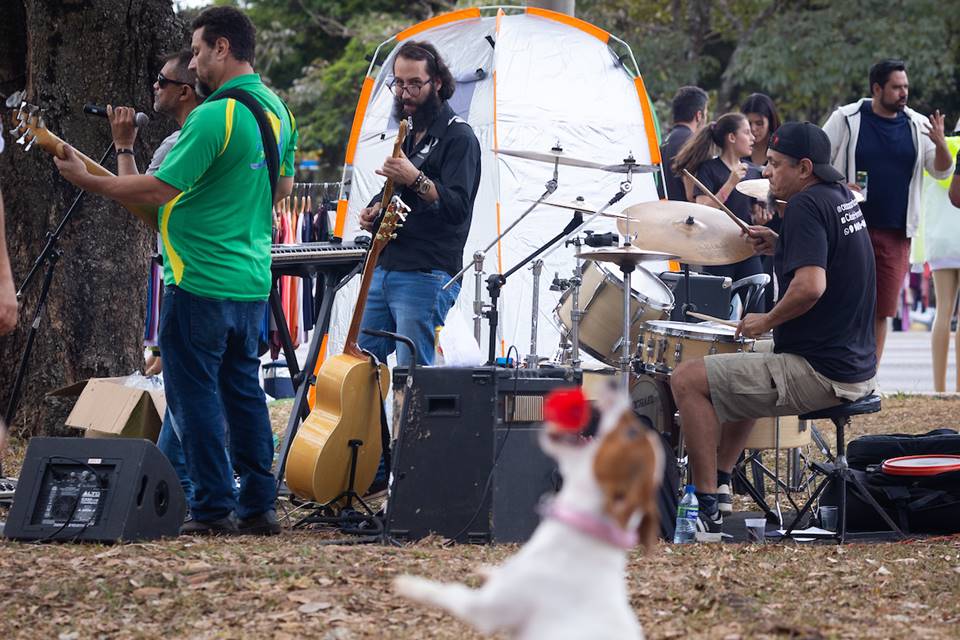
<point x="349" y="389"/>
<point x="28" y="124"/>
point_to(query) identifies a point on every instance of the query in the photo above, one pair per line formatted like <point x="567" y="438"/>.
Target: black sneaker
<point x="709" y="527"/>
<point x="724" y="499"/>
<point x="225" y="526"/>
<point x="265" y="524"/>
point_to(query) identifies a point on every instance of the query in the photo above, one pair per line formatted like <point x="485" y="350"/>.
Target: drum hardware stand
<point x="50" y="254"/>
<point x="625" y="359"/>
<point x="562" y="284"/>
<point x="687" y="305"/>
<point x="478" y="306"/>
<point x="496" y="281"/>
<point x="533" y="360"/>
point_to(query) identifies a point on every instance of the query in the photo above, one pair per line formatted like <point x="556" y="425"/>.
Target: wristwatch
<point x="422" y="184"/>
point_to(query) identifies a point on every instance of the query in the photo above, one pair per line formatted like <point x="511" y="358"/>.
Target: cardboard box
<point x="107" y="409"/>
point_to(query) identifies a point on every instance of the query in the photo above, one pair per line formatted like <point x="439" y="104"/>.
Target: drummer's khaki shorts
<point x="763" y="383"/>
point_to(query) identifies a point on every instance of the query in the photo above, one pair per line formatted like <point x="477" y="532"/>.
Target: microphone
<point x="600" y="239"/>
<point x="141" y="119"/>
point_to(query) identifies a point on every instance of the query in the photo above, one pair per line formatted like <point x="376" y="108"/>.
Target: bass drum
<point x="653" y="399"/>
<point x="601" y="309"/>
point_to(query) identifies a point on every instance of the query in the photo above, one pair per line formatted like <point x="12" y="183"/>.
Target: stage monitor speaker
<point x="95" y="490"/>
<point x="467" y="464"/>
<point x="709" y="294"/>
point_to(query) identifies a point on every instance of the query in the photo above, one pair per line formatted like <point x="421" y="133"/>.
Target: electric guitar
<point x="31" y="129"/>
<point x="349" y="389"/>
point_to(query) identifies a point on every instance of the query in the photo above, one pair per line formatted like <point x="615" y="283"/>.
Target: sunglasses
<point x="163" y="81"/>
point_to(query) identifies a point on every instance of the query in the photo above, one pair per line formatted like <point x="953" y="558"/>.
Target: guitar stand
<point x="362" y="521"/>
<point x="50" y="254"/>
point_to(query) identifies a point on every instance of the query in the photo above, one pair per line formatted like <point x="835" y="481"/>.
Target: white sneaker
<point x="724" y="499"/>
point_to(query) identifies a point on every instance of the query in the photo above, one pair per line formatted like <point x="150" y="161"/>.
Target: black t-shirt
<point x="713" y="173"/>
<point x="435" y="233"/>
<point x="824" y="227"/>
<point x="668" y="152"/>
<point x="885" y="150"/>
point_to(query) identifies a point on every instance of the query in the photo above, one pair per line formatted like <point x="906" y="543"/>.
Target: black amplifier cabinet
<point x="709" y="294"/>
<point x="466" y="463"/>
<point x="95" y="489"/>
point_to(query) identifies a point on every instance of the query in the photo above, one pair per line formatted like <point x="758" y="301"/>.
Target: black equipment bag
<point x="918" y="504"/>
<point x="874" y="449"/>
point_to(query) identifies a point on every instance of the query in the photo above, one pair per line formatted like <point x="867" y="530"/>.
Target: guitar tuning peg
<point x="30" y="144"/>
<point x="393" y="236"/>
<point x="23" y="139"/>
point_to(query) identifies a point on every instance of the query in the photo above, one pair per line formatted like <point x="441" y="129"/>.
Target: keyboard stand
<point x="332" y="279"/>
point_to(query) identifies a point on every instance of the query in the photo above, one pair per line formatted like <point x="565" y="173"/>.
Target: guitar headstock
<point x="29" y="127"/>
<point x="393" y="218"/>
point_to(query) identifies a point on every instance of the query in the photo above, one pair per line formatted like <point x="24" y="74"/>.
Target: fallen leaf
<point x="313" y="607"/>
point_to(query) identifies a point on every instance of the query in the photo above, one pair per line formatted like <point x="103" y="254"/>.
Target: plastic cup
<point x="828" y="518"/>
<point x="756" y="528"/>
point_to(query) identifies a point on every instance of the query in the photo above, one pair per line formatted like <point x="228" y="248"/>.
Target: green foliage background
<point x="809" y="55"/>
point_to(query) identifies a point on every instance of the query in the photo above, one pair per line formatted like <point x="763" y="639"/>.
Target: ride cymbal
<point x="698" y="234"/>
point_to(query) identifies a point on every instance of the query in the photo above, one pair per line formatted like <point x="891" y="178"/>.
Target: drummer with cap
<point x="823" y="348"/>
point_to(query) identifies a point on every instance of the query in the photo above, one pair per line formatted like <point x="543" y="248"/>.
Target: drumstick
<point x="703" y="316"/>
<point x="740" y="223"/>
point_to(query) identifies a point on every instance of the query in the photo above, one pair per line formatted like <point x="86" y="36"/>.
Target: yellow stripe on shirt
<point x="228" y="120"/>
<point x="176" y="262"/>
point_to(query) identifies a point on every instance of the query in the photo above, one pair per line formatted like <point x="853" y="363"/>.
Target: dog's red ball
<point x="567" y="409"/>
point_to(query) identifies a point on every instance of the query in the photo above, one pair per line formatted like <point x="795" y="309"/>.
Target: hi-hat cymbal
<point x="698" y="234"/>
<point x="552" y="156"/>
<point x="583" y="207"/>
<point x="629" y="165"/>
<point x="626" y="255"/>
<point x="759" y="188"/>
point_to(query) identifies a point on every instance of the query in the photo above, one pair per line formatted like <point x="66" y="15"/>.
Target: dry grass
<point x="295" y="585"/>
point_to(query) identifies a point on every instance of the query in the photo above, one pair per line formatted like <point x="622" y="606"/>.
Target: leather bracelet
<point x="124" y="150"/>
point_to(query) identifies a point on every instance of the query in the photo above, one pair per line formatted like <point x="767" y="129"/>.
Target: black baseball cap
<point x="806" y="140"/>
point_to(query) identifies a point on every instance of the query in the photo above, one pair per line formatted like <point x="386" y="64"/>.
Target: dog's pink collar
<point x="595" y="526"/>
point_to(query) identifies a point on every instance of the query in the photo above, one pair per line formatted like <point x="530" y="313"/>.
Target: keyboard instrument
<point x="293" y="259"/>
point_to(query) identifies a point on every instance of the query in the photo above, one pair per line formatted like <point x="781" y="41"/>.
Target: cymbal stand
<point x="625" y="356"/>
<point x="550" y="187"/>
<point x="625" y="187"/>
<point x="575" y="313"/>
<point x="533" y="360"/>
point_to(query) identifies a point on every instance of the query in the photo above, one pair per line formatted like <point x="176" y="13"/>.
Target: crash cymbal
<point x="583" y="207"/>
<point x="697" y="233"/>
<point x="552" y="156"/>
<point x="759" y="188"/>
<point x="626" y="255"/>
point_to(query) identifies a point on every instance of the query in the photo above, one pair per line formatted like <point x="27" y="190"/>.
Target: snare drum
<point x="665" y="344"/>
<point x="601" y="304"/>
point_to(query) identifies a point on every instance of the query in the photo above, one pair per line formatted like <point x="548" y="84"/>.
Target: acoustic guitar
<point x="28" y="124"/>
<point x="349" y="389"/>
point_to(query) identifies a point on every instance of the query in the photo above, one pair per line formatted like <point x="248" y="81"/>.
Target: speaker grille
<point x="523" y="408"/>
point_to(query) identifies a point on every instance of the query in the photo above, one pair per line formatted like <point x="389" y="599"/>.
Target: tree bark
<point x="66" y="53"/>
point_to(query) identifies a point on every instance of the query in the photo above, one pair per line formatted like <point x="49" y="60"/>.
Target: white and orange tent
<point x="526" y="79"/>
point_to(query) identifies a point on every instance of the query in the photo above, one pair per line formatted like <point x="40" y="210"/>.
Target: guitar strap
<point x="270" y="148"/>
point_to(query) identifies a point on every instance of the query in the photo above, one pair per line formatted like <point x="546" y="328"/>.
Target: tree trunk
<point x="66" y="53"/>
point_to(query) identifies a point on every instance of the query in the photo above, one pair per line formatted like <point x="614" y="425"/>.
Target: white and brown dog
<point x="569" y="579"/>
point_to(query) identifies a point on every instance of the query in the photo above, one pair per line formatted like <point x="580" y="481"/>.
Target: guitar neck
<point x="53" y="145"/>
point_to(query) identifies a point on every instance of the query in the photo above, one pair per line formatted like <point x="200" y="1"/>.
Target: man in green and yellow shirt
<point x="214" y="196"/>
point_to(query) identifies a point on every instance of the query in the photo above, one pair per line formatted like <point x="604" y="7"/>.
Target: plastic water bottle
<point x="687" y="512"/>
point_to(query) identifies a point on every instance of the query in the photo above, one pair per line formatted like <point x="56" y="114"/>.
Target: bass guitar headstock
<point x="29" y="128"/>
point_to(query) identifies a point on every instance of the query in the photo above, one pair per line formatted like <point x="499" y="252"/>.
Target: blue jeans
<point x="411" y="303"/>
<point x="169" y="444"/>
<point x="210" y="371"/>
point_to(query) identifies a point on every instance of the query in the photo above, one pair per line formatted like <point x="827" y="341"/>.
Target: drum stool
<point x="837" y="470"/>
<point x="776" y="434"/>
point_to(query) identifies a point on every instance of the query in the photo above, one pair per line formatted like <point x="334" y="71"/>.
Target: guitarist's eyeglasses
<point x="413" y="90"/>
<point x="163" y="81"/>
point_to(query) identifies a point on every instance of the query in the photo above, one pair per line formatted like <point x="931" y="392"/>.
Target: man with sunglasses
<point x="437" y="176"/>
<point x="174" y="95"/>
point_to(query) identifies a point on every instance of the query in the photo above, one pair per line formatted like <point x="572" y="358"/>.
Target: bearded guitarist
<point x="437" y="176"/>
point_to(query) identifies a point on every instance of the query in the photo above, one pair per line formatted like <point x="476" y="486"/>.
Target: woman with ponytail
<point x="714" y="155"/>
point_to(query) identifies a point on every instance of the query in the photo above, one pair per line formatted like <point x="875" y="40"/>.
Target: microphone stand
<point x="50" y="255"/>
<point x="496" y="281"/>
